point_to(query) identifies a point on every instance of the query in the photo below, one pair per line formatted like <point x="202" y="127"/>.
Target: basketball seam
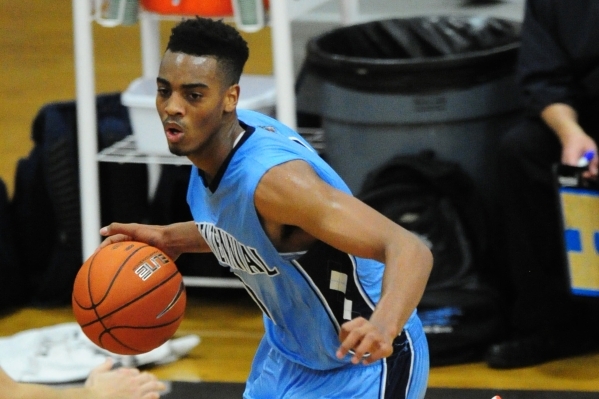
<point x="123" y="263"/>
<point x="109" y="332"/>
<point x="173" y="301"/>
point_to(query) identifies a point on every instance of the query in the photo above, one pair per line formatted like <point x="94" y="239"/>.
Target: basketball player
<point x="338" y="283"/>
<point x="102" y="383"/>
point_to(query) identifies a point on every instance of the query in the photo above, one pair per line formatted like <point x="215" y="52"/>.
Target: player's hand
<point x="368" y="342"/>
<point x="173" y="239"/>
<point x="118" y="232"/>
<point x="122" y="383"/>
<point x="149" y="234"/>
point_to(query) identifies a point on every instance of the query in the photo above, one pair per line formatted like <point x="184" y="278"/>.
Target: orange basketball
<point x="129" y="298"/>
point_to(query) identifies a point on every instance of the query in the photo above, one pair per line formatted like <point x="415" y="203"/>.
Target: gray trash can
<point x="404" y="85"/>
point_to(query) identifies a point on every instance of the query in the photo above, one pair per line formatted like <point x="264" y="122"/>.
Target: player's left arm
<point x="293" y="194"/>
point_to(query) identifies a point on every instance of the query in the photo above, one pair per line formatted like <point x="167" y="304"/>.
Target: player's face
<point x="193" y="103"/>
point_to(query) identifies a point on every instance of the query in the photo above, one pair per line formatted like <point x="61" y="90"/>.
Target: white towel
<point x="62" y="353"/>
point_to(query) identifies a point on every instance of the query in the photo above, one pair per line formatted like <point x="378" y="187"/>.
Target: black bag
<point x="438" y="201"/>
<point x="46" y="202"/>
<point x="12" y="283"/>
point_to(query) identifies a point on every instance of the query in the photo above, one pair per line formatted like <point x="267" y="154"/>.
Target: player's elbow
<point x="424" y="255"/>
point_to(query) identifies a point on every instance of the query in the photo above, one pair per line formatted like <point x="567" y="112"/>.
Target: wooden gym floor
<point x="36" y="43"/>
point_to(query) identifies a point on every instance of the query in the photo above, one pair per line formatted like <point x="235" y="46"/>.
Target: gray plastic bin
<point x="404" y="85"/>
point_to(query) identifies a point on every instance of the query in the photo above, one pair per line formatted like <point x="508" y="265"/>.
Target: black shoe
<point x="534" y="350"/>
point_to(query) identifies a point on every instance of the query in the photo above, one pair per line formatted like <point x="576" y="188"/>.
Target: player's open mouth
<point x="173" y="133"/>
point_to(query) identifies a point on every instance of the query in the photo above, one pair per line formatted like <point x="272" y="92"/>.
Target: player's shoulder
<point x="257" y="119"/>
<point x="268" y="126"/>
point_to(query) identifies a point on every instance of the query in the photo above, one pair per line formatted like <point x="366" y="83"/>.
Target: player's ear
<point x="231" y="98"/>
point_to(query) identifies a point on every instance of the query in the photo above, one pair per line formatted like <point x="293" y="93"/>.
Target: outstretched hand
<point x="122" y="383"/>
<point x="367" y="342"/>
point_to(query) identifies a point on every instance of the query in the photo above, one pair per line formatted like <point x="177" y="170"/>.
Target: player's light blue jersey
<point x="305" y="296"/>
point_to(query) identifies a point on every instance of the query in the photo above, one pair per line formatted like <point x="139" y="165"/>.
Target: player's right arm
<point x="174" y="239"/>
<point x="293" y="194"/>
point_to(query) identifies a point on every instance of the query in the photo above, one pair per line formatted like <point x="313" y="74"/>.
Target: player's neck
<point x="215" y="154"/>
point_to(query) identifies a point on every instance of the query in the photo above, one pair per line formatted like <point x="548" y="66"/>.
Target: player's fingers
<point x="129" y="371"/>
<point x="342" y="351"/>
<point x="379" y="351"/>
<point x="372" y="347"/>
<point x="346" y="345"/>
<point x="365" y="346"/>
<point x="100" y="369"/>
<point x="152" y="388"/>
<point x="105" y="366"/>
<point x="349" y="337"/>
<point x="370" y="359"/>
<point x="113" y="239"/>
<point x="352" y="341"/>
<point x="118" y="228"/>
<point x="146" y="377"/>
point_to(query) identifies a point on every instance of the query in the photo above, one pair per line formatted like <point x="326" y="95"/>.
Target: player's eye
<point x="163" y="91"/>
<point x="194" y="96"/>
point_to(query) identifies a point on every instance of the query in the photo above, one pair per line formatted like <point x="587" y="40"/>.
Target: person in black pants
<point x="558" y="71"/>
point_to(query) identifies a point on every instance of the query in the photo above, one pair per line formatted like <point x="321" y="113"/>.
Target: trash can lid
<point x="467" y="49"/>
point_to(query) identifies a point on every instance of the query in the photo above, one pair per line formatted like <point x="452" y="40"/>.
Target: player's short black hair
<point x="208" y="37"/>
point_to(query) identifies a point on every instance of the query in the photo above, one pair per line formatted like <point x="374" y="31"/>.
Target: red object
<point x="202" y="8"/>
<point x="129" y="298"/>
